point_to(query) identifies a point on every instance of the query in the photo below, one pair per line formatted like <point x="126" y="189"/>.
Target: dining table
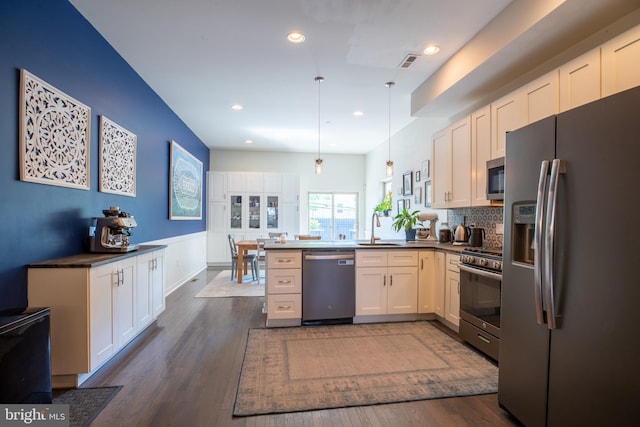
<point x="243" y="247"/>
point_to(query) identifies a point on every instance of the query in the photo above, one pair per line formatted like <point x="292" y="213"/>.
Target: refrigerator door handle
<point x="557" y="168"/>
<point x="537" y="240"/>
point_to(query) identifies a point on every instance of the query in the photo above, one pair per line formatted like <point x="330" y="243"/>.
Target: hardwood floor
<point x="185" y="370"/>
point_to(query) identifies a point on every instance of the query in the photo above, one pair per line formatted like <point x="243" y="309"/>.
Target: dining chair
<point x="275" y="234"/>
<point x="246" y="259"/>
<point x="262" y="255"/>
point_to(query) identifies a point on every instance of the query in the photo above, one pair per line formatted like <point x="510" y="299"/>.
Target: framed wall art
<point x="185" y="184"/>
<point x="427" y="194"/>
<point x="54" y="135"/>
<point x="401" y="205"/>
<point x="407" y="183"/>
<point x="426" y="169"/>
<point x="117" y="159"/>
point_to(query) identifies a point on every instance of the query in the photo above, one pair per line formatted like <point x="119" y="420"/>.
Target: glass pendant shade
<point x="318" y="166"/>
<point x="389" y="168"/>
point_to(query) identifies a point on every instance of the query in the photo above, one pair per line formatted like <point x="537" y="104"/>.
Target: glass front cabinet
<point x="254" y="214"/>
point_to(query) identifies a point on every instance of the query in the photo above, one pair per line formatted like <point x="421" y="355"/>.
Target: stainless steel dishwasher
<point x="328" y="286"/>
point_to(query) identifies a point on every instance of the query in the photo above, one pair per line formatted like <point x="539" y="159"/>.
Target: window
<point x="333" y="214"/>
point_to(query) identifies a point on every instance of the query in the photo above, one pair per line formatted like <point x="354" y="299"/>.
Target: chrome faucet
<point x="376" y="216"/>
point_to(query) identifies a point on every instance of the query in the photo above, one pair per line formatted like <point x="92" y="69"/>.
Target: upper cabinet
<point x="621" y="62"/>
<point x="541" y="98"/>
<point x="451" y="186"/>
<point x="506" y="115"/>
<point x="580" y="80"/>
<point x="480" y="153"/>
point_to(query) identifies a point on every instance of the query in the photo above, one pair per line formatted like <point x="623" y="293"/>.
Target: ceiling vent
<point x="408" y="60"/>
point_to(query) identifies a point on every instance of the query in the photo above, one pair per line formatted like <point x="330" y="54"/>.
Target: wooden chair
<point x="246" y="259"/>
<point x="262" y="255"/>
<point x="275" y="235"/>
<point x="308" y="237"/>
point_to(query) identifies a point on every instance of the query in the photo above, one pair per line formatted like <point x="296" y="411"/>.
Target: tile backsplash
<point x="486" y="218"/>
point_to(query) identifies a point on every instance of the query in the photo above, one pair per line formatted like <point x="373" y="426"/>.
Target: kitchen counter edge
<point x="357" y="245"/>
<point x="90" y="259"/>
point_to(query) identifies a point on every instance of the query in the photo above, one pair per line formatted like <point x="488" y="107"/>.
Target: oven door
<point x="480" y="298"/>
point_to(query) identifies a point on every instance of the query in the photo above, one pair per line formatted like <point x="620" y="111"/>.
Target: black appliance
<point x="328" y="287"/>
<point x="480" y="292"/>
<point x="495" y="179"/>
<point x="25" y="357"/>
<point x="569" y="350"/>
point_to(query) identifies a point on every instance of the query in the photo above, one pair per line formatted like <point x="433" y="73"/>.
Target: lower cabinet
<point x="452" y="290"/>
<point x="95" y="310"/>
<point x="426" y="282"/>
<point x="284" y="288"/>
<point x="439" y="282"/>
<point x="386" y="282"/>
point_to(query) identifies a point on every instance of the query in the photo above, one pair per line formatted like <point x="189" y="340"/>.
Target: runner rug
<point x="321" y="367"/>
<point x="222" y="286"/>
<point x="85" y="403"/>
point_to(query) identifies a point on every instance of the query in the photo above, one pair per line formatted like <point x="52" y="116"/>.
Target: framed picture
<point x="417" y="197"/>
<point x="401" y="205"/>
<point x="407" y="203"/>
<point x="185" y="184"/>
<point x="417" y="176"/>
<point x="426" y="169"/>
<point x="407" y="183"/>
<point x="427" y="194"/>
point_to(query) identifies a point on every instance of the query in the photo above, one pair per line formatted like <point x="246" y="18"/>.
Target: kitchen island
<point x="394" y="280"/>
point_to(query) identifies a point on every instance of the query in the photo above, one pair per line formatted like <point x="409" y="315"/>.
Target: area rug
<point x="321" y="367"/>
<point x="85" y="403"/>
<point x="222" y="286"/>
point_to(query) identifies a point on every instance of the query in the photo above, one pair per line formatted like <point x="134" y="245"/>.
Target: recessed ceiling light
<point x="358" y="113"/>
<point x="295" y="37"/>
<point x="431" y="50"/>
<point x="248" y="141"/>
<point x="236" y="107"/>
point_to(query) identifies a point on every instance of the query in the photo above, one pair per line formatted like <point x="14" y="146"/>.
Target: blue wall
<point x="50" y="39"/>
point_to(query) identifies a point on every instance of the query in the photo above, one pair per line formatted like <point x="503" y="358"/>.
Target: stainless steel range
<point x="480" y="287"/>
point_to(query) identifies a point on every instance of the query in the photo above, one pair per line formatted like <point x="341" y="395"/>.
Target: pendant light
<point x="319" y="79"/>
<point x="389" y="162"/>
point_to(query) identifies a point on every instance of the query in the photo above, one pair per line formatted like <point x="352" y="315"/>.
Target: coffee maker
<point x="111" y="233"/>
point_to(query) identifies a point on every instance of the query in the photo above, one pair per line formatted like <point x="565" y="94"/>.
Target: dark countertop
<point x="363" y="244"/>
<point x="90" y="259"/>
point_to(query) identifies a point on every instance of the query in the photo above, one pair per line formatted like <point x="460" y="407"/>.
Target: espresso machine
<point x="111" y="233"/>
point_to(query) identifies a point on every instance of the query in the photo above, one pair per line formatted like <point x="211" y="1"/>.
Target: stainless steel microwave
<point x="495" y="179"/>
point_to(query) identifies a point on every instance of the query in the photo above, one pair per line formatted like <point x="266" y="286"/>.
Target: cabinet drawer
<point x="402" y="258"/>
<point x="452" y="262"/>
<point x="284" y="259"/>
<point x="284" y="306"/>
<point x="372" y="258"/>
<point x="284" y="281"/>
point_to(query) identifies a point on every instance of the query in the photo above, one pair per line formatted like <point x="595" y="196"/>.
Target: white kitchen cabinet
<point x="621" y="62"/>
<point x="95" y="310"/>
<point x="439" y="280"/>
<point x="451" y="183"/>
<point x="151" y="276"/>
<point x="542" y="97"/>
<point x="386" y="282"/>
<point x="580" y="80"/>
<point x="506" y="115"/>
<point x="426" y="282"/>
<point x="284" y="288"/>
<point x="480" y="153"/>
<point x="452" y="289"/>
<point x="216" y="186"/>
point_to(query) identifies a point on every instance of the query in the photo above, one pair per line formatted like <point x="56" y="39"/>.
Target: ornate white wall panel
<point x="54" y="135"/>
<point x="117" y="159"/>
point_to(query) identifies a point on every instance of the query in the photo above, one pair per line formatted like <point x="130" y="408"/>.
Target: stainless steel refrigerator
<point x="570" y="342"/>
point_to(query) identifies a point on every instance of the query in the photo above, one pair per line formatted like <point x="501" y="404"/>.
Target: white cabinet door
<point x="480" y="153"/>
<point x="402" y="290"/>
<point x="506" y="115"/>
<point x="289" y="219"/>
<point x="102" y="336"/>
<point x="158" y="275"/>
<point x="144" y="314"/>
<point x="441" y="165"/>
<point x="440" y="282"/>
<point x="460" y="164"/>
<point x="453" y="298"/>
<point x="371" y="291"/>
<point x="290" y="188"/>
<point x="580" y="80"/>
<point x="272" y="182"/>
<point x="216" y="186"/>
<point x="124" y="279"/>
<point x="235" y="182"/>
<point x="621" y="62"/>
<point x="542" y="97"/>
<point x="426" y="282"/>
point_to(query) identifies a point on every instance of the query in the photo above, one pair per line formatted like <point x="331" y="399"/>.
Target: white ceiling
<point x="202" y="56"/>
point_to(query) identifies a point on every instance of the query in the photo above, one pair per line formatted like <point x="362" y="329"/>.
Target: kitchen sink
<point x="377" y="244"/>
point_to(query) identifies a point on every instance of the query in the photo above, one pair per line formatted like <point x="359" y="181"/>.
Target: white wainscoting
<point x="186" y="256"/>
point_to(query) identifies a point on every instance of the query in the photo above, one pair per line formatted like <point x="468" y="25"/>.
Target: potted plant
<point x="385" y="206"/>
<point x="407" y="220"/>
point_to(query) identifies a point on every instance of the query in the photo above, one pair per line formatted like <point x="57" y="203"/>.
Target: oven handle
<point x="482" y="273"/>
<point x="538" y="232"/>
